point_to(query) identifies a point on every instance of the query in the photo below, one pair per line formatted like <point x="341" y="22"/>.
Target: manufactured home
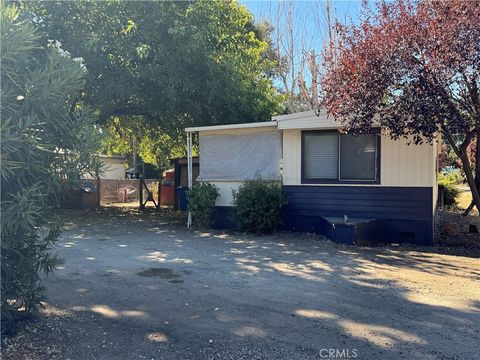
<point x="351" y="188"/>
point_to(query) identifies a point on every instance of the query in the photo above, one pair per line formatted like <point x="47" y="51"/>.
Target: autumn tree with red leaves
<point x="413" y="68"/>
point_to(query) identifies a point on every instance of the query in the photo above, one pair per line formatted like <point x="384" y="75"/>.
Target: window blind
<point x="321" y="156"/>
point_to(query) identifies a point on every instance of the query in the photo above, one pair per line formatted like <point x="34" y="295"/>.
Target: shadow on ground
<point x="139" y="285"/>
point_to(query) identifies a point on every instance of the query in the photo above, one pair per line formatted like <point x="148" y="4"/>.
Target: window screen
<point x="240" y="157"/>
<point x="357" y="157"/>
<point x="320" y="156"/>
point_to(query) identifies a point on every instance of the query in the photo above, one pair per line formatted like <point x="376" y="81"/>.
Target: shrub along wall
<point x="258" y="206"/>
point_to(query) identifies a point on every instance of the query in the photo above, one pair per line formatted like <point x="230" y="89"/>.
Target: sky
<point x="260" y="9"/>
<point x="309" y="22"/>
<point x="310" y="16"/>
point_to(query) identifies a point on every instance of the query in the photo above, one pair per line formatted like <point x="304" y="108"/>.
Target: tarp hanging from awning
<point x="240" y="157"/>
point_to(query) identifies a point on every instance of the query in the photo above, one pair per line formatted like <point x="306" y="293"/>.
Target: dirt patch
<point x="246" y="297"/>
<point x="164" y="273"/>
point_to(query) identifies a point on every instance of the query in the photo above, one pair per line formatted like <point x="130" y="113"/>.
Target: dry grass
<point x="464" y="200"/>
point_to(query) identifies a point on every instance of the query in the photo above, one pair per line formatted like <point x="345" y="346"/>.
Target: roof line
<point x="232" y="126"/>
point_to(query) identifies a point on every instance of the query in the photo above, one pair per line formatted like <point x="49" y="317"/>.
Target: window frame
<point x="338" y="180"/>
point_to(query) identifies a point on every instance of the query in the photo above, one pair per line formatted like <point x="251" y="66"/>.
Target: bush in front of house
<point x="448" y="184"/>
<point x="201" y="201"/>
<point x="258" y="206"/>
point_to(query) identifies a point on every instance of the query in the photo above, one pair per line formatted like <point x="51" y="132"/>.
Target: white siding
<point x="306" y="120"/>
<point x="401" y="164"/>
<point x="113" y="171"/>
<point x="437" y="146"/>
<point x="291" y="157"/>
<point x="406" y="165"/>
<point x="225" y="189"/>
<point x="112" y="168"/>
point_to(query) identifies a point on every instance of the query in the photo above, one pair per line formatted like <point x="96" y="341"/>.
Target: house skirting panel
<point x="399" y="214"/>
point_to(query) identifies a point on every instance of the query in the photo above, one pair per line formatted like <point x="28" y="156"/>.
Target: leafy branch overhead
<point x="165" y="60"/>
<point x="173" y="64"/>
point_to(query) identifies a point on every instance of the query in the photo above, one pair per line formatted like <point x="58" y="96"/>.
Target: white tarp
<point x="240" y="157"/>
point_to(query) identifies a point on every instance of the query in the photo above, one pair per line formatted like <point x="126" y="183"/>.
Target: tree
<point x="155" y="146"/>
<point x="298" y="33"/>
<point x="48" y="141"/>
<point x="175" y="64"/>
<point x="413" y="68"/>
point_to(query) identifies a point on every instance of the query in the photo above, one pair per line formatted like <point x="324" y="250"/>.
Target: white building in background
<point x="113" y="168"/>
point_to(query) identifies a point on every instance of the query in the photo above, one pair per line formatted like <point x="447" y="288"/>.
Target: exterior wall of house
<point x="405" y="213"/>
<point x="404" y="199"/>
<point x="400" y="164"/>
<point x="306" y="120"/>
<point x="225" y="190"/>
<point x="402" y="204"/>
<point x="223" y="216"/>
<point x="226" y="186"/>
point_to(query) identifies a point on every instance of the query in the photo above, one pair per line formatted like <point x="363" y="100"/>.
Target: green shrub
<point x="258" y="205"/>
<point x="201" y="201"/>
<point x="453" y="177"/>
<point x="448" y="184"/>
<point x="48" y="141"/>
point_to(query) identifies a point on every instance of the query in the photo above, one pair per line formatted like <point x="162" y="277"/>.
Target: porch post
<point x="189" y="171"/>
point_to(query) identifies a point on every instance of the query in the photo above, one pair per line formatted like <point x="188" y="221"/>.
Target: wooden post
<point x="159" y="204"/>
<point x="135" y="170"/>
<point x="140" y="192"/>
<point x="98" y="188"/>
<point x="189" y="167"/>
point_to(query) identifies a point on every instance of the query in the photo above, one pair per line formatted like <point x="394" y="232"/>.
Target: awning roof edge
<point x="232" y="126"/>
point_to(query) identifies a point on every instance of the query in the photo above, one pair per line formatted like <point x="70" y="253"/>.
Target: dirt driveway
<point x="143" y="287"/>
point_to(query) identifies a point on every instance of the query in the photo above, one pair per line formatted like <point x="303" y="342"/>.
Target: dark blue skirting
<point x="401" y="214"/>
<point x="398" y="214"/>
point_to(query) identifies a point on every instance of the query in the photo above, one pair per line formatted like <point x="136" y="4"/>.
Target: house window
<point x="331" y="157"/>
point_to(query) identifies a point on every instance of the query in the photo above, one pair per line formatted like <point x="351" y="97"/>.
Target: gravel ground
<point x="141" y="286"/>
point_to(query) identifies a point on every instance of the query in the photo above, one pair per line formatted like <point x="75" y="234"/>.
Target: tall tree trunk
<point x="477" y="174"/>
<point x="461" y="152"/>
<point x="472" y="183"/>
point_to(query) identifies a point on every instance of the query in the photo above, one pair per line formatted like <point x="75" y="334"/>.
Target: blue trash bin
<point x="182" y="198"/>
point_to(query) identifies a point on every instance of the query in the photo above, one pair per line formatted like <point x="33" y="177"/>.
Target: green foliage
<point x="166" y="64"/>
<point x="154" y="145"/>
<point x="48" y="139"/>
<point x="201" y="201"/>
<point x="454" y="177"/>
<point x="258" y="206"/>
<point x="448" y="184"/>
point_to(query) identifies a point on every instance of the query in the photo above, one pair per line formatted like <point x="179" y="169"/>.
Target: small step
<point x="362" y="231"/>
